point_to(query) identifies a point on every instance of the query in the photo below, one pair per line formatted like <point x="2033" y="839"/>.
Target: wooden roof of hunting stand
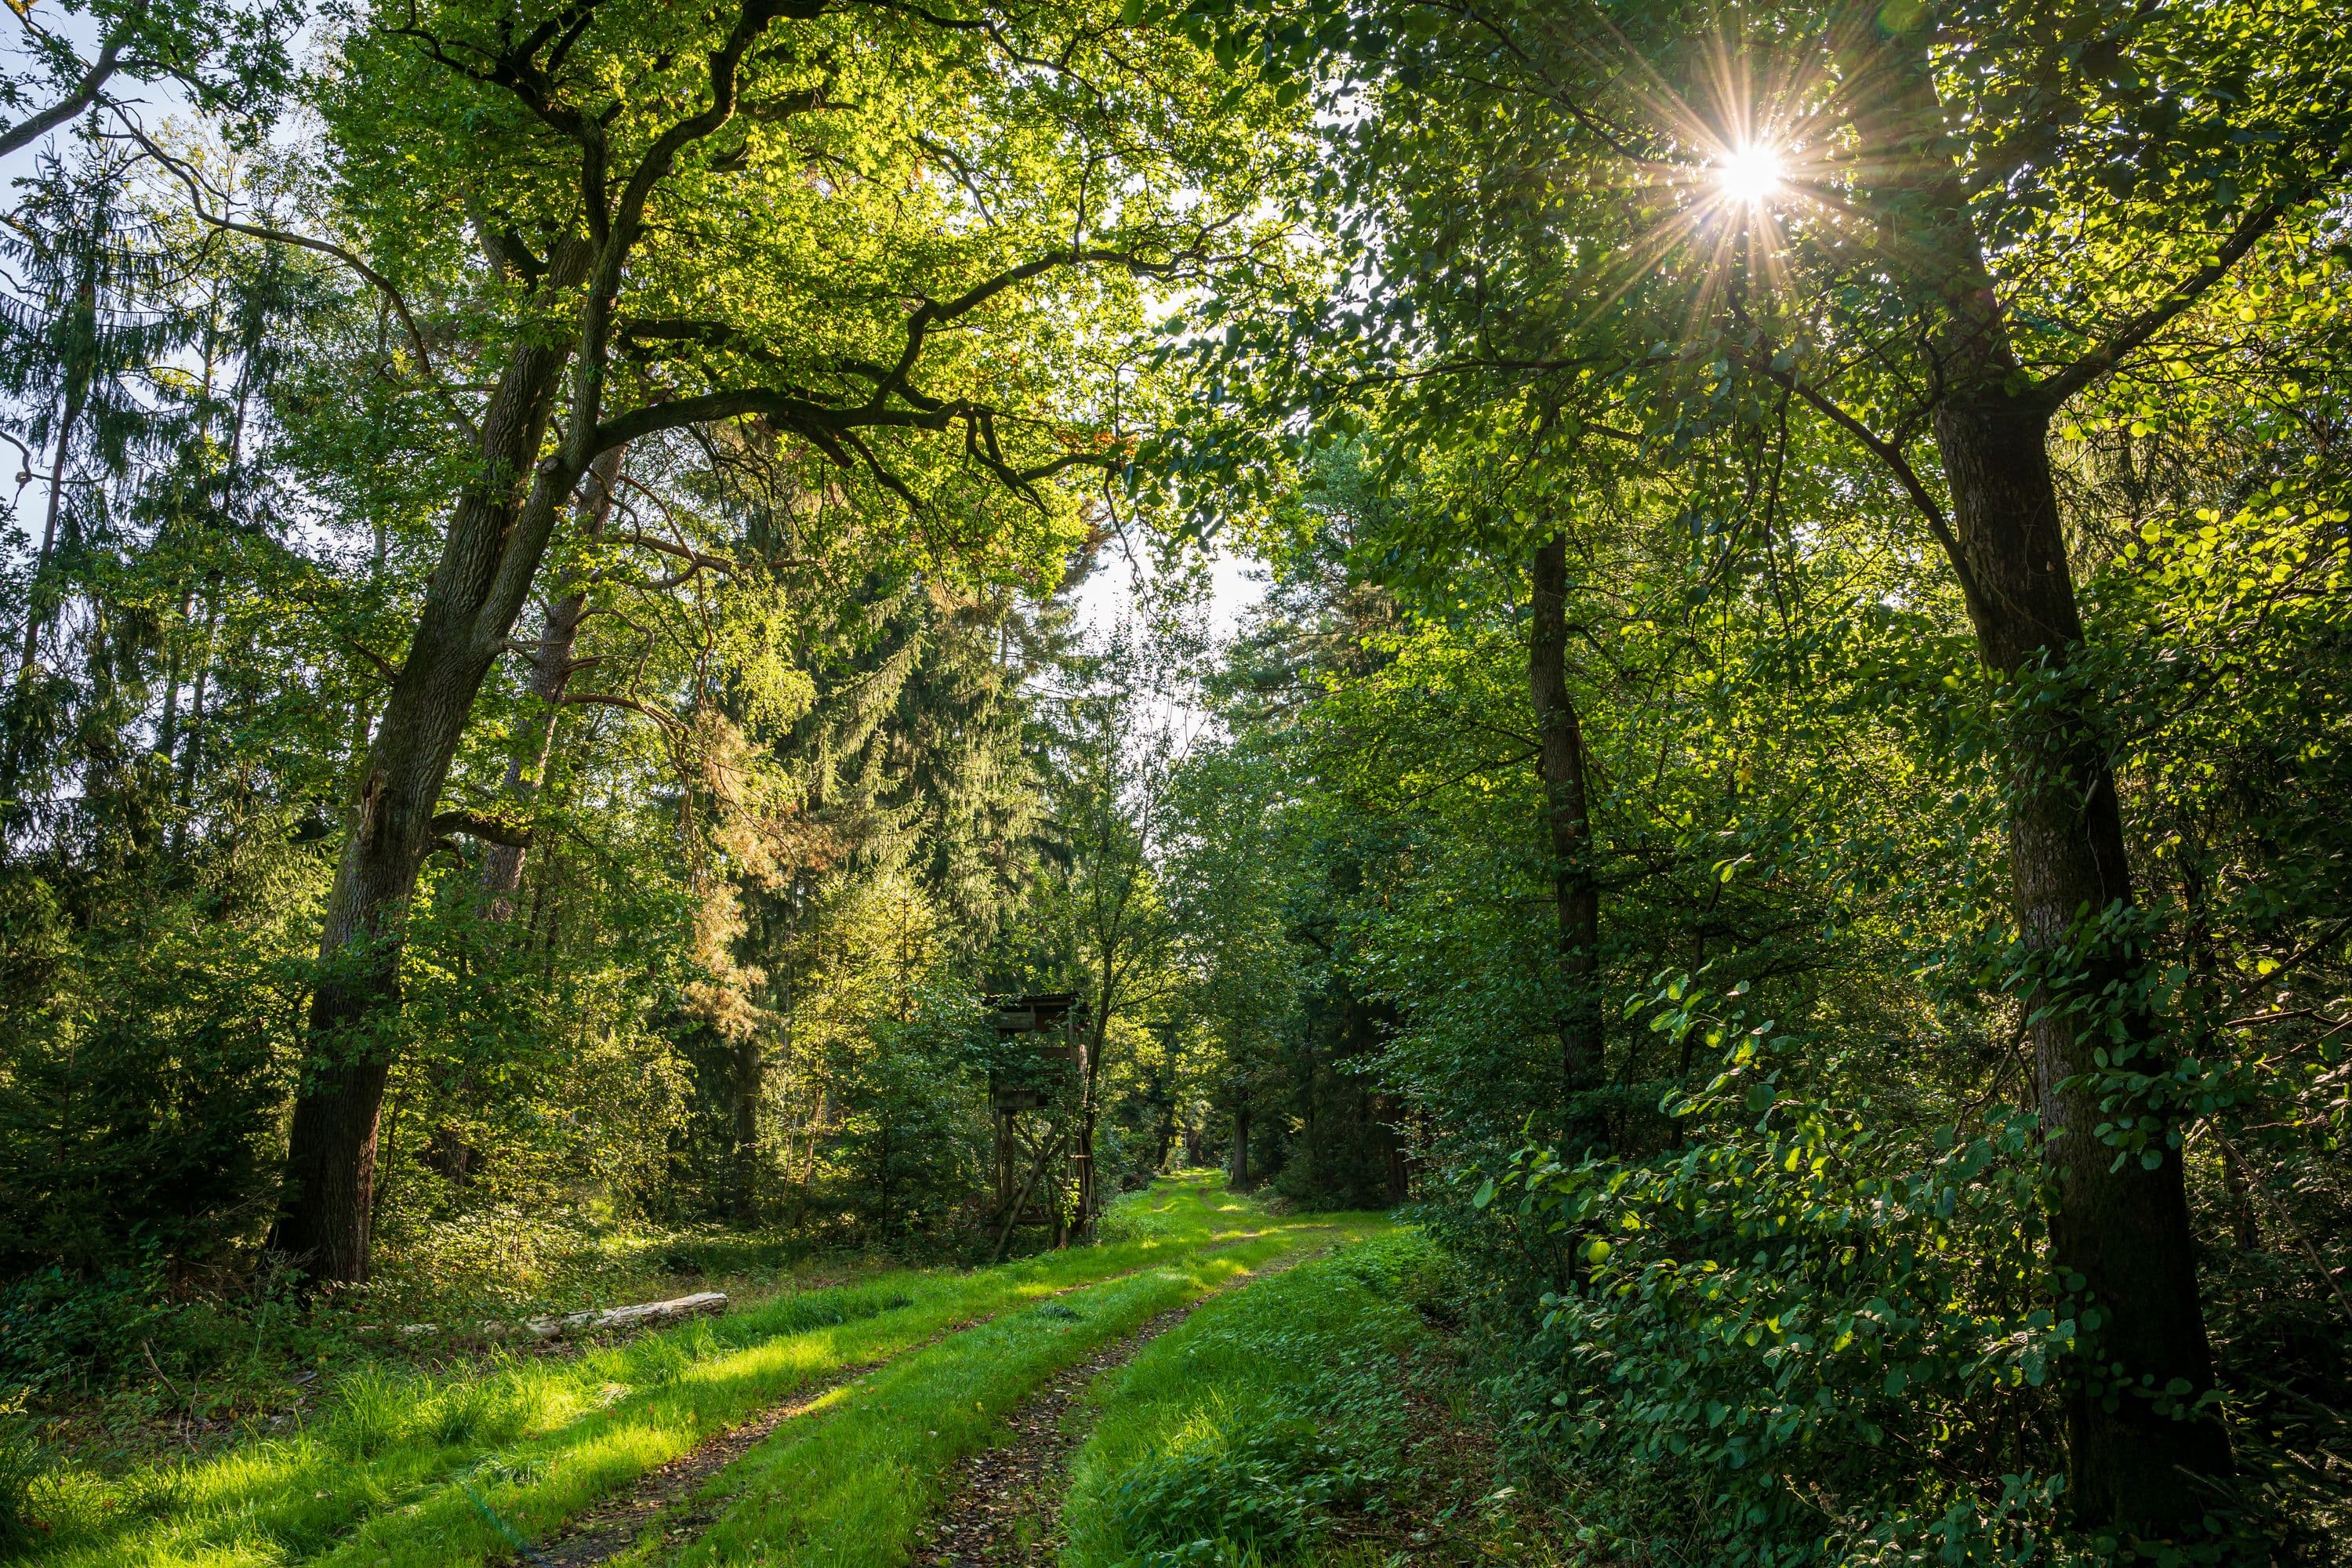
<point x="1045" y="1016"/>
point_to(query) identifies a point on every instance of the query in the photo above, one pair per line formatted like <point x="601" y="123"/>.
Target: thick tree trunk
<point x="475" y="591"/>
<point x="1567" y="820"/>
<point x="2125" y="1231"/>
<point x="551" y="673"/>
<point x="2133" y="1454"/>
<point x="1166" y="1140"/>
<point x="1238" y="1174"/>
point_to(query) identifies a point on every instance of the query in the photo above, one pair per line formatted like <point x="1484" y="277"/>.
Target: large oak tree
<point x="908" y="243"/>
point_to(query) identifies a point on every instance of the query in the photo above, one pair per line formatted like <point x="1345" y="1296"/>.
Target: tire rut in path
<point x="619" y="1521"/>
<point x="615" y="1523"/>
<point x="1001" y="1512"/>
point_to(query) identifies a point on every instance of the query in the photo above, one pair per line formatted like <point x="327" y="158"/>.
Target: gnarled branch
<point x="85" y="93"/>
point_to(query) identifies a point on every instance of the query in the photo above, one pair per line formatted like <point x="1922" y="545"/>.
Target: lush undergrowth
<point x="132" y="1365"/>
<point x="412" y="1467"/>
<point x="1304" y="1421"/>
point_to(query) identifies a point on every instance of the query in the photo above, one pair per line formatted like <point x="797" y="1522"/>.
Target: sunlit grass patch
<point x="417" y="1469"/>
<point x="854" y="1489"/>
<point x="1242" y="1437"/>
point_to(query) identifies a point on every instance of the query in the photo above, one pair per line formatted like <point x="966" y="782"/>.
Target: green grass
<point x="853" y="1488"/>
<point x="391" y="1474"/>
<point x="1242" y="1437"/>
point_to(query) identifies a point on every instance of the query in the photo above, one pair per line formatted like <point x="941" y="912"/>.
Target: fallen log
<point x="627" y="1317"/>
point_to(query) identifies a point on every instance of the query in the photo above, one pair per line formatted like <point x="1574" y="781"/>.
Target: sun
<point x="1750" y="175"/>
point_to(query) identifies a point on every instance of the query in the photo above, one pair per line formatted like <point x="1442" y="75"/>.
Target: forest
<point x="1354" y="781"/>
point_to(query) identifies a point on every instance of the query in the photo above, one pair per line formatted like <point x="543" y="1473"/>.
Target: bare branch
<point x="384" y="285"/>
<point x="601" y="700"/>
<point x="683" y="553"/>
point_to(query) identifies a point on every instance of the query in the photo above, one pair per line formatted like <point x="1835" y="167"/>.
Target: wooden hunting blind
<point x="1043" y="1037"/>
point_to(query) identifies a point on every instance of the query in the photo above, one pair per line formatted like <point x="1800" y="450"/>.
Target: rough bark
<point x="2136" y="1459"/>
<point x="645" y="1314"/>
<point x="549" y="662"/>
<point x="495" y="536"/>
<point x="1238" y="1174"/>
<point x="2126" y="1231"/>
<point x="1567" y="820"/>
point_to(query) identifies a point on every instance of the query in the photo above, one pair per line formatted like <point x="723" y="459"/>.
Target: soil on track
<point x="1000" y="1511"/>
<point x="1004" y="1510"/>
<point x="620" y="1522"/>
<point x="659" y="1498"/>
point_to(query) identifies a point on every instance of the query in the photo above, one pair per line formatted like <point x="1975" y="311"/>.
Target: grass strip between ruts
<point x="565" y="1433"/>
<point x="1270" y="1358"/>
<point x="853" y="1487"/>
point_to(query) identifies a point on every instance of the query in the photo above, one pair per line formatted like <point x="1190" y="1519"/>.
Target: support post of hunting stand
<point x="1051" y="1028"/>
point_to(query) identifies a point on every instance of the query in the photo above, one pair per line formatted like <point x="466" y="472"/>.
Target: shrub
<point x="1811" y="1334"/>
<point x="57" y="1329"/>
<point x="1264" y="1488"/>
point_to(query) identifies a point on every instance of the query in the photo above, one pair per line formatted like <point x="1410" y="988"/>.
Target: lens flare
<point x="1750" y="175"/>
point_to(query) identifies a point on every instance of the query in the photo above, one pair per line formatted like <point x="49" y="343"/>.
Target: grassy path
<point x="1003" y="1507"/>
<point x="1316" y="1419"/>
<point x="853" y="1490"/>
<point x="454" y="1471"/>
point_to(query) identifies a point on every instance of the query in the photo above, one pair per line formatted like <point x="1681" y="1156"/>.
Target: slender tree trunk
<point x="37" y="605"/>
<point x="496" y="534"/>
<point x="1400" y="1160"/>
<point x="1567" y="820"/>
<point x="167" y="729"/>
<point x="1090" y="1069"/>
<point x="2136" y="1458"/>
<point x="551" y="673"/>
<point x="192" y="740"/>
<point x="750" y="1084"/>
